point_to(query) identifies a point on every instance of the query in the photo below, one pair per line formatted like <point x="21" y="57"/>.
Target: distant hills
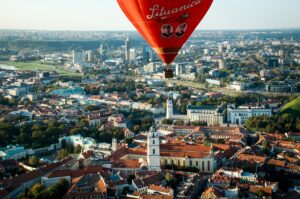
<point x="292" y="108"/>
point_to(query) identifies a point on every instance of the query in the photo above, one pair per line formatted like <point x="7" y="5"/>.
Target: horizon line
<point x="74" y="30"/>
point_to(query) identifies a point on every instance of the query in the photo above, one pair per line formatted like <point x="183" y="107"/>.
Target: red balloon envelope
<point x="165" y="24"/>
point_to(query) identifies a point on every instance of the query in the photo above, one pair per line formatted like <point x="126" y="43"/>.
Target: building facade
<point x="169" y="109"/>
<point x="241" y="114"/>
<point x="210" y="114"/>
<point x="153" y="150"/>
<point x="78" y="57"/>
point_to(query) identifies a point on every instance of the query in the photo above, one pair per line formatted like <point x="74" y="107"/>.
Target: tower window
<point x="153" y="151"/>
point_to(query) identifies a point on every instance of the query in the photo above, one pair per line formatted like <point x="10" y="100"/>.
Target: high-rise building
<point x="90" y="56"/>
<point x="169" y="109"/>
<point x="281" y="53"/>
<point x="221" y="64"/>
<point x="132" y="54"/>
<point x="146" y="54"/>
<point x="179" y="69"/>
<point x="220" y="48"/>
<point x="127" y="49"/>
<point x="101" y="50"/>
<point x="228" y="47"/>
<point x="153" y="150"/>
<point x="78" y="56"/>
<point x="206" y="51"/>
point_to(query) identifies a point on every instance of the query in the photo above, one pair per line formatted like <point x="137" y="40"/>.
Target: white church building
<point x="181" y="155"/>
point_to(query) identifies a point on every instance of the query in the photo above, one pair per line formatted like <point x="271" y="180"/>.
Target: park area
<point x="37" y="65"/>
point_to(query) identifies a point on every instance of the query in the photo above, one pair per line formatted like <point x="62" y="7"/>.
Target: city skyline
<point x="93" y="15"/>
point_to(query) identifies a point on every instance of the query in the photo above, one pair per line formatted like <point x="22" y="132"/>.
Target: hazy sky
<point x="106" y="15"/>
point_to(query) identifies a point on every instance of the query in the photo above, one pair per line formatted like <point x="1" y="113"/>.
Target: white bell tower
<point x="153" y="151"/>
<point x="169" y="109"/>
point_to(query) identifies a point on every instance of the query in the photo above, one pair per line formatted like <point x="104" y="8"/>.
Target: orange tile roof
<point x="292" y="160"/>
<point x="222" y="147"/>
<point x="156" y="197"/>
<point x="195" y="128"/>
<point x="101" y="185"/>
<point x="288" y="144"/>
<point x="127" y="163"/>
<point x="293" y="167"/>
<point x="278" y="163"/>
<point x="211" y="192"/>
<point x="267" y="190"/>
<point x="251" y="158"/>
<point x="169" y="150"/>
<point x="192" y="151"/>
<point x="60" y="173"/>
<point x="159" y="188"/>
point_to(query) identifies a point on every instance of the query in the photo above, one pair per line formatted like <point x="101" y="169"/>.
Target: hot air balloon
<point x="165" y="24"/>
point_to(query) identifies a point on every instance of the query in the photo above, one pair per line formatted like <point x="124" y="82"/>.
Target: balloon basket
<point x="168" y="73"/>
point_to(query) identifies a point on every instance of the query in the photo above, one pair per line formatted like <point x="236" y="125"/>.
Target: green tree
<point x="137" y="128"/>
<point x="130" y="178"/>
<point x="61" y="154"/>
<point x="63" y="143"/>
<point x="168" y="177"/>
<point x="179" y="122"/>
<point x="34" y="161"/>
<point x="167" y="121"/>
<point x="7" y="133"/>
<point x="76" y="130"/>
<point x="52" y="133"/>
<point x="199" y="123"/>
<point x="266" y="146"/>
<point x="70" y="148"/>
<point x="260" y="193"/>
<point x="77" y="149"/>
<point x="36" y="190"/>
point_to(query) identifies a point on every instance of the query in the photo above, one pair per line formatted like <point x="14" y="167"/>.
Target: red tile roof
<point x="267" y="190"/>
<point x="277" y="163"/>
<point x="159" y="188"/>
<point x="212" y="192"/>
<point x="251" y="158"/>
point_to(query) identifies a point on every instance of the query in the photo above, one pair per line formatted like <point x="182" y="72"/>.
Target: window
<point x="196" y="163"/>
<point x="166" y="161"/>
<point x="191" y="163"/>
<point x="172" y="162"/>
<point x="153" y="141"/>
<point x="202" y="165"/>
<point x="153" y="151"/>
<point x="208" y="165"/>
<point x="178" y="163"/>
